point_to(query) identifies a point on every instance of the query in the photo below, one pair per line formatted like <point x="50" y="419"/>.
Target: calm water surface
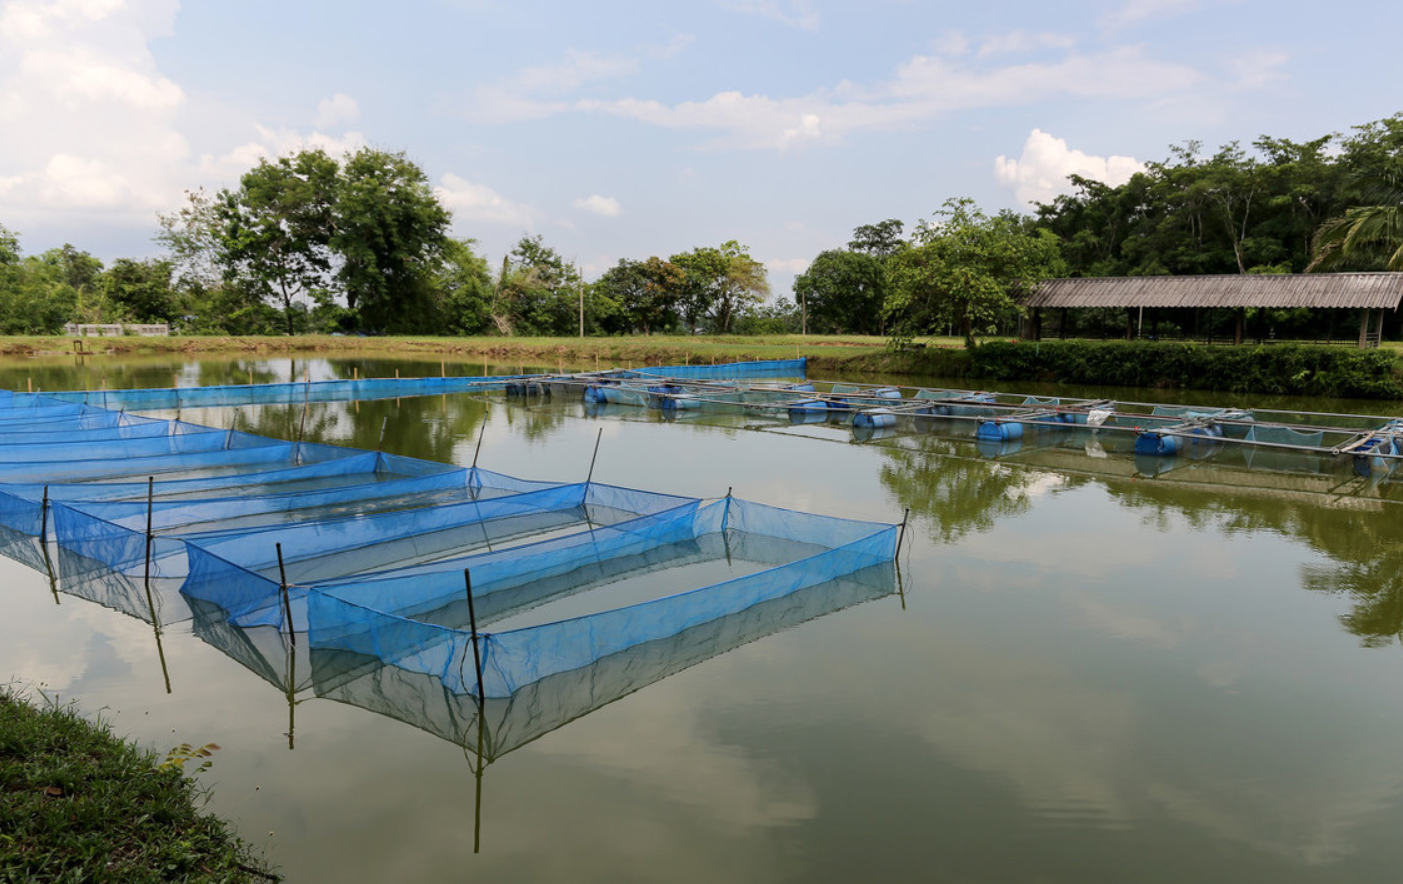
<point x="1090" y="675"/>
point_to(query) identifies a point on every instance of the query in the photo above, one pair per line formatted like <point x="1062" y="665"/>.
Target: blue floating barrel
<point x="1156" y="444"/>
<point x="869" y="434"/>
<point x="680" y="401"/>
<point x="886" y="393"/>
<point x="876" y="419"/>
<point x="996" y="448"/>
<point x="999" y="431"/>
<point x="808" y="411"/>
<point x="1369" y="464"/>
<point x="594" y="393"/>
<point x="800" y="388"/>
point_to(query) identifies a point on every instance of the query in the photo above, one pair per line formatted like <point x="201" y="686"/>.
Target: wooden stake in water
<point x="380" y="446"/>
<point x="355" y="372"/>
<point x="902" y="535"/>
<point x="29" y="384"/>
<point x="480" y="431"/>
<point x="44" y="518"/>
<point x="150" y="508"/>
<point x="287" y="601"/>
<point x="472" y="622"/>
<point x="596" y="455"/>
<point x="443" y="368"/>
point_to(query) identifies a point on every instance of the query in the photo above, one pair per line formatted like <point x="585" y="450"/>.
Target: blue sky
<point x="626" y="129"/>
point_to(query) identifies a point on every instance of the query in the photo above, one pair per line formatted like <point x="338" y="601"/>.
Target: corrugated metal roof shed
<point x="1369" y="291"/>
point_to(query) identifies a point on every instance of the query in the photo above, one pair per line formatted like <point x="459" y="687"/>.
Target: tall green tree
<point x="276" y="229"/>
<point x="843" y="292"/>
<point x="646" y="293"/>
<point x="1365" y="237"/>
<point x="390" y="236"/>
<point x="880" y="240"/>
<point x="718" y="284"/>
<point x="141" y="290"/>
<point x="464" y="285"/>
<point x="967" y="270"/>
<point x="538" y="291"/>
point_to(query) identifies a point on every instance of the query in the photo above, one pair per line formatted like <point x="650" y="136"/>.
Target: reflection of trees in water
<point x="1364" y="542"/>
<point x="534" y="422"/>
<point x="425" y="427"/>
<point x="954" y="492"/>
<point x="1361" y="538"/>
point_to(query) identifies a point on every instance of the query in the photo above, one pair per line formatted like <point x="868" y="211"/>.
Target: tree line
<point x="314" y="243"/>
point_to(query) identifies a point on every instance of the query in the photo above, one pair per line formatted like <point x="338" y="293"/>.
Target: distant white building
<point x="84" y="330"/>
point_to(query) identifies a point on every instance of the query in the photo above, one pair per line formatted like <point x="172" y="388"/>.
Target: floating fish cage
<point x="364" y="551"/>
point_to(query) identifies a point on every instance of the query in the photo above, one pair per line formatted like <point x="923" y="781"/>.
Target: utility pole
<point x="580" y="281"/>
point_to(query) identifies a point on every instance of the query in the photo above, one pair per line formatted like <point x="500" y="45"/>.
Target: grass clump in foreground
<point x="79" y="804"/>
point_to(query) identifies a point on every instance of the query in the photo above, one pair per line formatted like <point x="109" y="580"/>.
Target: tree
<point x="464" y="285"/>
<point x="719" y="283"/>
<point x="537" y="292"/>
<point x="1368" y="236"/>
<point x="880" y="240"/>
<point x="967" y="270"/>
<point x="141" y="290"/>
<point x="276" y="229"/>
<point x="390" y="235"/>
<point x="842" y="292"/>
<point x="645" y="293"/>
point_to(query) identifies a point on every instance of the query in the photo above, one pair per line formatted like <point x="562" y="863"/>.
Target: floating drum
<point x="992" y="431"/>
<point x="869" y="434"/>
<point x="874" y="420"/>
<point x="996" y="448"/>
<point x="680" y="401"/>
<point x="1156" y="444"/>
<point x="808" y="411"/>
<point x="887" y="393"/>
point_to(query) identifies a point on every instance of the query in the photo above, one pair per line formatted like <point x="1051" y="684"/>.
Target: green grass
<point x="78" y="804"/>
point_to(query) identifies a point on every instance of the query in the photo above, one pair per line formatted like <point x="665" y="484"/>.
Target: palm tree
<point x="1366" y="234"/>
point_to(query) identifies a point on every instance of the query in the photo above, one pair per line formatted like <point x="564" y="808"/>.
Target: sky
<point x="617" y="129"/>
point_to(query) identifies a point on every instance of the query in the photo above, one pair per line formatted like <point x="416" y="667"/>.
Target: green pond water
<point x="1091" y="673"/>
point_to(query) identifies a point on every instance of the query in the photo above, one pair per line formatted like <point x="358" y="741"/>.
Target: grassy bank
<point x="79" y="804"/>
<point x="1296" y="369"/>
<point x="824" y="352"/>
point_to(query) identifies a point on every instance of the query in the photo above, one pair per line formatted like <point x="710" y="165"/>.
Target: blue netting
<point x="367" y="550"/>
<point x="346" y="616"/>
<point x="769" y="368"/>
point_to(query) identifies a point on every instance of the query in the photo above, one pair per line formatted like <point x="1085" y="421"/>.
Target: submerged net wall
<point x="366" y="551"/>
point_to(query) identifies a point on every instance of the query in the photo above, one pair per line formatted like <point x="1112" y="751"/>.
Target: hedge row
<point x="1286" y="369"/>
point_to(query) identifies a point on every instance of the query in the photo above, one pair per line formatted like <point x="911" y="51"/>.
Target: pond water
<point x="1089" y="673"/>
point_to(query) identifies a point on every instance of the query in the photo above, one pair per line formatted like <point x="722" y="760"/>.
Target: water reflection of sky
<point x="1085" y="683"/>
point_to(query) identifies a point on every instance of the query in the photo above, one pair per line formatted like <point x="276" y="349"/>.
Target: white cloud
<point x="794" y="13"/>
<point x="535" y="92"/>
<point x="1040" y="174"/>
<point x="98" y="117"/>
<point x="787" y="265"/>
<point x="336" y="110"/>
<point x="1134" y="12"/>
<point x="922" y="89"/>
<point x="952" y="43"/>
<point x="275" y="143"/>
<point x="1257" y="69"/>
<point x="1022" y="42"/>
<point x="603" y="206"/>
<point x="481" y="204"/>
